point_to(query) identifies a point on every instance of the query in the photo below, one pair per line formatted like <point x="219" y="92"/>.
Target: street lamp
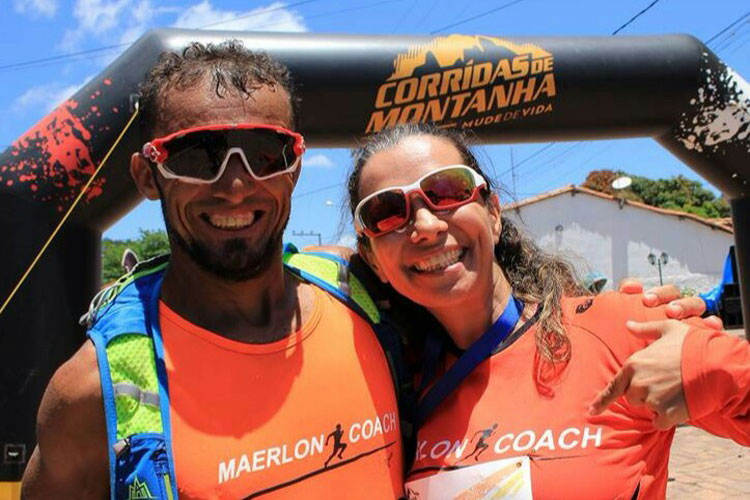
<point x="658" y="261"/>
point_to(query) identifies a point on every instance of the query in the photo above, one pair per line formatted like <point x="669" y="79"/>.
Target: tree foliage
<point x="148" y="244"/>
<point x="676" y="193"/>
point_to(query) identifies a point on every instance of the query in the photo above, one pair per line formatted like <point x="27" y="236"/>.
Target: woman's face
<point x="439" y="259"/>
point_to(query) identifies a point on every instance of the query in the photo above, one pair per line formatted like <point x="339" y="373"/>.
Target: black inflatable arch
<point x="671" y="88"/>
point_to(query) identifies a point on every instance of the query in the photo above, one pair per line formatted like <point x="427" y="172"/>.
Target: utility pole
<point x="310" y="233"/>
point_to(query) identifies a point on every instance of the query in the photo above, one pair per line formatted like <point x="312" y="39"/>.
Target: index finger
<point x="655" y="329"/>
<point x="660" y="295"/>
<point x="616" y="388"/>
<point x="686" y="307"/>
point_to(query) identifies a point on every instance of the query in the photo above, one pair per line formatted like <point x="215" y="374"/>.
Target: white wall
<point x="616" y="241"/>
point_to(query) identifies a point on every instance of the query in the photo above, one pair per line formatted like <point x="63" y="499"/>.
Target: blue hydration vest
<point x="123" y="323"/>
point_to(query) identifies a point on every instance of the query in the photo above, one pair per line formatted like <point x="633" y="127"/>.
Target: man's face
<point x="234" y="226"/>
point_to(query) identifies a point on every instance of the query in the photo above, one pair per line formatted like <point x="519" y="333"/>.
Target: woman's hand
<point x="678" y="307"/>
<point x="652" y="377"/>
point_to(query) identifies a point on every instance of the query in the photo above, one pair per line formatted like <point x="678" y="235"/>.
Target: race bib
<point x="509" y="478"/>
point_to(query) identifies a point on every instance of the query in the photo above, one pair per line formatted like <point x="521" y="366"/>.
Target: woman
<point x="514" y="415"/>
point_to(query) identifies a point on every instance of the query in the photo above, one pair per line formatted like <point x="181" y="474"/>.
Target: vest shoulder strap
<point x="331" y="273"/>
<point x="127" y="360"/>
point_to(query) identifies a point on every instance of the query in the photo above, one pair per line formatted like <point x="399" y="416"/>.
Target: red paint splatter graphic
<point x="53" y="159"/>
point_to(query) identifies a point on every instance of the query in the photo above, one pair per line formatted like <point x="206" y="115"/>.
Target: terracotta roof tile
<point x="724" y="224"/>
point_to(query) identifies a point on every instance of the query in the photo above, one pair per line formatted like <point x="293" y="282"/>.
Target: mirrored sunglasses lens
<point x="268" y="152"/>
<point x="384" y="212"/>
<point x="197" y="155"/>
<point x="448" y="187"/>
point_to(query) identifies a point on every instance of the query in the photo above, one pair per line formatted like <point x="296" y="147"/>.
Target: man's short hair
<point x="231" y="68"/>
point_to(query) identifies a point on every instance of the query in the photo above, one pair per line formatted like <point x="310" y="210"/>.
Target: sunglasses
<point x="443" y="189"/>
<point x="200" y="155"/>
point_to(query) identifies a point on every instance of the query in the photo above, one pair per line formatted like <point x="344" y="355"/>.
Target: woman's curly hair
<point x="536" y="276"/>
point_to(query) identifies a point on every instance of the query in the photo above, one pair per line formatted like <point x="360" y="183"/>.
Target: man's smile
<point x="234" y="222"/>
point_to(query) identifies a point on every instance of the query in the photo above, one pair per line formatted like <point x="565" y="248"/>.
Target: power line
<point x="731" y="38"/>
<point x="555" y="159"/>
<point x="743" y="43"/>
<point x="35" y="62"/>
<point x="477" y="16"/>
<point x="19" y="65"/>
<point x="553" y="182"/>
<point x="253" y="14"/>
<point x="532" y="155"/>
<point x="405" y="16"/>
<point x="739" y="19"/>
<point x="635" y="17"/>
<point x="318" y="190"/>
<point x="427" y="14"/>
<point x="549" y="145"/>
<point x="351" y="9"/>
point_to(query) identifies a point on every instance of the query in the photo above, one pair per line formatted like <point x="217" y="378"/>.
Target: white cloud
<point x="274" y="17"/>
<point x="317" y="161"/>
<point x="46" y="97"/>
<point x="45" y="8"/>
<point x="130" y="18"/>
<point x="99" y="16"/>
<point x="140" y="19"/>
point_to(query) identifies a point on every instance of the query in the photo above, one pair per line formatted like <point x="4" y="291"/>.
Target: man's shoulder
<point x="71" y="454"/>
<point x="75" y="387"/>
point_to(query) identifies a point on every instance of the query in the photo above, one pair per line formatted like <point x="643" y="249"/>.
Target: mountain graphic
<point x="448" y="50"/>
<point x="139" y="491"/>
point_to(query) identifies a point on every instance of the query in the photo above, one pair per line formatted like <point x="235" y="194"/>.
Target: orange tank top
<point x="311" y="416"/>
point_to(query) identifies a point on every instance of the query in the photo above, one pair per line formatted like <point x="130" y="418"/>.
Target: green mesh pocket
<point x="322" y="268"/>
<point x="328" y="271"/>
<point x="132" y="363"/>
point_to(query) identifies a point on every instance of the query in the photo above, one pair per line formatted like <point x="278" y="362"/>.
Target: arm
<point x="716" y="377"/>
<point x="71" y="458"/>
<point x="688" y="374"/>
<point x="678" y="307"/>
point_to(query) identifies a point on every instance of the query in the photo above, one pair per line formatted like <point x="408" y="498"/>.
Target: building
<point x="605" y="234"/>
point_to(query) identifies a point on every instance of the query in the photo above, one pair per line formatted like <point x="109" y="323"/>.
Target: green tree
<point x="675" y="193"/>
<point x="148" y="244"/>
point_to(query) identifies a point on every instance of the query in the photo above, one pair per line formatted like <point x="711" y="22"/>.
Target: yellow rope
<point x="67" y="214"/>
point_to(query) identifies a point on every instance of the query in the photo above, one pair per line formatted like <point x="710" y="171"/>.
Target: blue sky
<point x="77" y="39"/>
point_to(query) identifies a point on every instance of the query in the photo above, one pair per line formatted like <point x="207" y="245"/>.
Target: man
<point x="260" y="366"/>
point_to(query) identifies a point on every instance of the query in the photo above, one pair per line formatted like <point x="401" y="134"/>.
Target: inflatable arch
<point x="671" y="88"/>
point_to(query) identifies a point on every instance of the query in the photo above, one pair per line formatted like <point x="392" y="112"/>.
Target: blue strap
<point x="480" y="350"/>
<point x="154" y="328"/>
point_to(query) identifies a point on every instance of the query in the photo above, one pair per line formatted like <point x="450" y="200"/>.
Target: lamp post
<point x="658" y="261"/>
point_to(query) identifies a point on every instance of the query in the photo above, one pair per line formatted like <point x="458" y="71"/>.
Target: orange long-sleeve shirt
<point x="310" y="416"/>
<point x="498" y="434"/>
